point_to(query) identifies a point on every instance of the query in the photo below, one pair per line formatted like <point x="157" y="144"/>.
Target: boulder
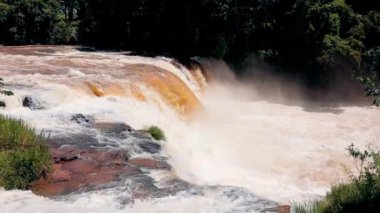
<point x="150" y="147"/>
<point x="80" y="119"/>
<point x="77" y="169"/>
<point x="31" y="103"/>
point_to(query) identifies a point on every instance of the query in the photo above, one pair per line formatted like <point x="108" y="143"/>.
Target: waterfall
<point x="233" y="152"/>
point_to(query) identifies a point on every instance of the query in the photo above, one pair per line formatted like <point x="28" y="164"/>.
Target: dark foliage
<point x="4" y="92"/>
<point x="316" y="40"/>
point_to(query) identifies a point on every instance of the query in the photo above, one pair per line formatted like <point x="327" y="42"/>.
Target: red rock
<point x="80" y="166"/>
<point x="279" y="209"/>
<point x="76" y="168"/>
<point x="59" y="174"/>
<point x="148" y="163"/>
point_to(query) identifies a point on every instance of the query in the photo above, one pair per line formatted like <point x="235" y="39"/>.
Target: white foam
<point x="278" y="151"/>
<point x="75" y="73"/>
<point x="281" y="152"/>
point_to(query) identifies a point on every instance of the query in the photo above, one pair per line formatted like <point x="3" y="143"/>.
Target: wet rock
<point x="80" y="119"/>
<point x="173" y="186"/>
<point x="31" y="103"/>
<point x="59" y="174"/>
<point x="149" y="163"/>
<point x="71" y="153"/>
<point x="117" y="157"/>
<point x="80" y="140"/>
<point x="65" y="154"/>
<point x="141" y="134"/>
<point x="112" y="128"/>
<point x="149" y="147"/>
<point x="279" y="209"/>
<point x="143" y="186"/>
<point x="77" y="169"/>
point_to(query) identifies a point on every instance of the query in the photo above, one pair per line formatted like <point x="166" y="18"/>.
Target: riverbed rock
<point x="279" y="209"/>
<point x="148" y="163"/>
<point x="77" y="169"/>
<point x="31" y="103"/>
<point x="80" y="119"/>
<point x="79" y="140"/>
<point x="150" y="147"/>
<point x="112" y="128"/>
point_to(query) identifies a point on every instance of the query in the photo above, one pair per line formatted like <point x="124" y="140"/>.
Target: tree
<point x="33" y="22"/>
<point x="317" y="41"/>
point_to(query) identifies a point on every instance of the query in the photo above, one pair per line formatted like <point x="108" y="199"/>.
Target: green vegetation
<point x="35" y="22"/>
<point x="371" y="89"/>
<point x="24" y="156"/>
<point x="4" y="92"/>
<point x="314" y="41"/>
<point x="362" y="194"/>
<point x="156" y="133"/>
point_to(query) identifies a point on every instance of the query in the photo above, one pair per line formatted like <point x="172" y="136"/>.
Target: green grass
<point x="362" y="194"/>
<point x="156" y="133"/>
<point x="352" y="197"/>
<point x="24" y="155"/>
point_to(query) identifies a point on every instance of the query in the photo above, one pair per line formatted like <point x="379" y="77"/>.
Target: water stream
<point x="228" y="153"/>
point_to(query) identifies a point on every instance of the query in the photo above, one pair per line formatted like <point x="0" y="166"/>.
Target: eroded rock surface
<point x="83" y="162"/>
<point x="76" y="168"/>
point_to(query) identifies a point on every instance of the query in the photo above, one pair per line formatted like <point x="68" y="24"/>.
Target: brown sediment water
<point x="280" y="152"/>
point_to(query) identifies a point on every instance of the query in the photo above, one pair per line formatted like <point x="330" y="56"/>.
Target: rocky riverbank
<point x="82" y="99"/>
<point x="81" y="164"/>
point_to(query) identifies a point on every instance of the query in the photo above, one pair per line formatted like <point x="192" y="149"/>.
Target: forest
<point x="312" y="40"/>
<point x="98" y="127"/>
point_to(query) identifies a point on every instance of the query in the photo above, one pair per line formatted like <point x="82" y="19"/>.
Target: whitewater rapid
<point x="278" y="152"/>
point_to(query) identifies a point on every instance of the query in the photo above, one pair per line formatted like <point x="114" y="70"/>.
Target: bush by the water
<point x="362" y="194"/>
<point x="4" y="92"/>
<point x="24" y="155"/>
<point x="157" y="133"/>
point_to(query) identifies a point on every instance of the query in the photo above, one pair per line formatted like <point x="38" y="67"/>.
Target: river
<point x="236" y="153"/>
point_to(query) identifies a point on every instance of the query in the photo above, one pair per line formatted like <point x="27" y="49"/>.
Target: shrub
<point x="24" y="155"/>
<point x="371" y="89"/>
<point x="4" y="92"/>
<point x="362" y="194"/>
<point x="156" y="133"/>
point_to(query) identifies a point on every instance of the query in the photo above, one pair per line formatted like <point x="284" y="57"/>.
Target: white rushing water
<point x="279" y="152"/>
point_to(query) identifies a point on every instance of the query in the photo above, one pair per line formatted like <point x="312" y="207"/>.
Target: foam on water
<point x="280" y="152"/>
<point x="212" y="200"/>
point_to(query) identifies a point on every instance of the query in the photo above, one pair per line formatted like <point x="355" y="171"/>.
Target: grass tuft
<point x="157" y="133"/>
<point x="24" y="155"/>
<point x="362" y="194"/>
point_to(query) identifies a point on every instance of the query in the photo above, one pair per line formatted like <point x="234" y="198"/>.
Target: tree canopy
<point x="311" y="38"/>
